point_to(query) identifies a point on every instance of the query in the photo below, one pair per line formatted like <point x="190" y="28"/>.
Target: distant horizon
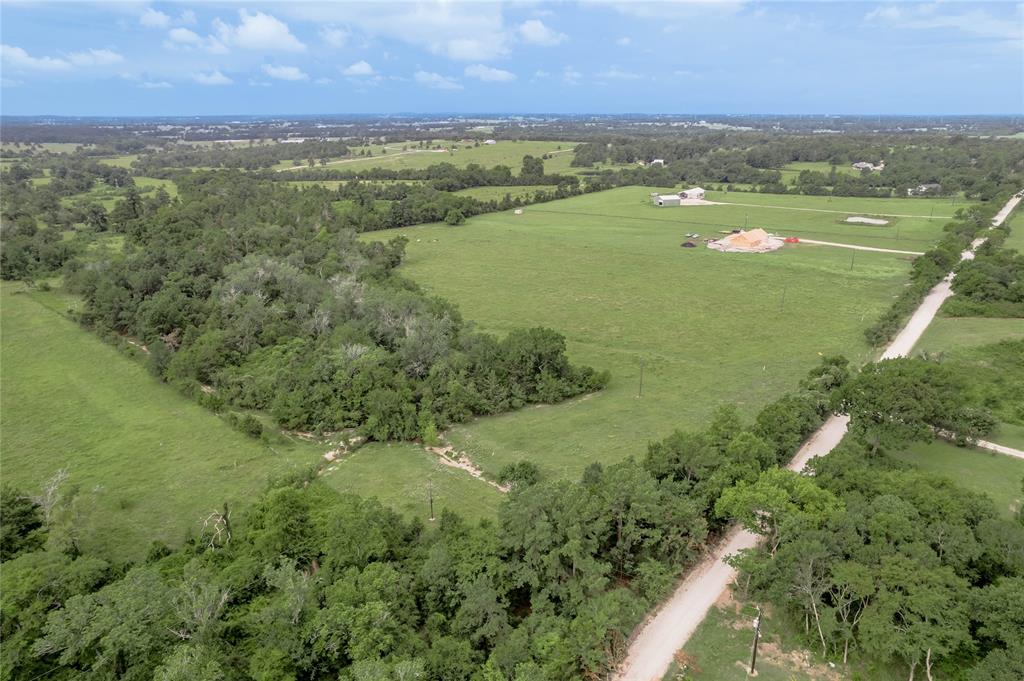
<point x="491" y="114"/>
<point x="180" y="59"/>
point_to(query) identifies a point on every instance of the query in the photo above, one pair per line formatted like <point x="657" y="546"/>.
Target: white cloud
<point x="541" y="74"/>
<point x="571" y="76"/>
<point x="17" y="58"/>
<point x="489" y="74"/>
<point x="465" y="31"/>
<point x="536" y="32"/>
<point x="436" y="81"/>
<point x="624" y="41"/>
<point x="154" y="85"/>
<point x="95" y="58"/>
<point x="152" y="18"/>
<point x="258" y="31"/>
<point x="470" y="49"/>
<point x="183" y="35"/>
<point x="616" y="73"/>
<point x="285" y="72"/>
<point x="211" y="78"/>
<point x="187" y="17"/>
<point x="360" y="68"/>
<point x="934" y="16"/>
<point x="334" y="36"/>
<point x="323" y="81"/>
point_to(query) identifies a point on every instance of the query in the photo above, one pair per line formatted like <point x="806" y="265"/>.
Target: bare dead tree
<point x="217" y="528"/>
<point x="50" y="494"/>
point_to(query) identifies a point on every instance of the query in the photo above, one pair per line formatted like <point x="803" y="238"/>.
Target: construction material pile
<point x="753" y="241"/>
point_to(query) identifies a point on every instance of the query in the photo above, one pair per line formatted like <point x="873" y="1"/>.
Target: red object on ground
<point x="791" y="240"/>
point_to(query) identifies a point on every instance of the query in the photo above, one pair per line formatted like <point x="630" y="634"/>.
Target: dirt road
<point x="858" y="248"/>
<point x="668" y="630"/>
<point x="823" y="210"/>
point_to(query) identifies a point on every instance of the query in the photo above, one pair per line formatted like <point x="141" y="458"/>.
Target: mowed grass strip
<point x="708" y="327"/>
<point x="148" y="461"/>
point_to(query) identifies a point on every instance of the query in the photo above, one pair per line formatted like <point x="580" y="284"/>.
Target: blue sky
<point x="183" y="58"/>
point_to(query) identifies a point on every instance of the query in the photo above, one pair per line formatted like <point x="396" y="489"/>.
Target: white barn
<point x="695" y="193"/>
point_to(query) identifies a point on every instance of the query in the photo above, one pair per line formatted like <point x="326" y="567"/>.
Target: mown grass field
<point x="791" y="171"/>
<point x="401" y="475"/>
<point x="1016" y="225"/>
<point x="607" y="271"/>
<point x="505" y="152"/>
<point x="996" y="475"/>
<point x="949" y="333"/>
<point x="913" y="224"/>
<point x="498" y="193"/>
<point x="149" y="462"/>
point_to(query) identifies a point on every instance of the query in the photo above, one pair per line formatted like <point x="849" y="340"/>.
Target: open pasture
<point x="149" y="462"/>
<point x="791" y="171"/>
<point x="607" y="271"/>
<point x="498" y="193"/>
<point x="505" y="152"/>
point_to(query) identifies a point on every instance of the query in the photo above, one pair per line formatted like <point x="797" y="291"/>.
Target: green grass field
<point x="949" y="333"/>
<point x="993" y="474"/>
<point x="401" y="475"/>
<point x="820" y="218"/>
<point x="605" y="270"/>
<point x="505" y="152"/>
<point x="148" y="461"/>
<point x="498" y="193"/>
<point x="1016" y="224"/>
<point x="791" y="171"/>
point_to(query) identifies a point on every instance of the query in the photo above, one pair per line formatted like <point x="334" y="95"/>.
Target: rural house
<point x="695" y="193"/>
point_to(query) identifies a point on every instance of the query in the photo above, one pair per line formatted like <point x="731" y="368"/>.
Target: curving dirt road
<point x="668" y="629"/>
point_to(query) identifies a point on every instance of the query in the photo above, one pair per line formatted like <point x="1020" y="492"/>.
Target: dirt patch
<point x="447" y="456"/>
<point x="860" y="219"/>
<point x="797" y="661"/>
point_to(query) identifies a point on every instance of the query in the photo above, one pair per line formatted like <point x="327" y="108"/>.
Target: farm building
<point x="490" y="142"/>
<point x="753" y="241"/>
<point x="665" y="199"/>
<point x="695" y="193"/>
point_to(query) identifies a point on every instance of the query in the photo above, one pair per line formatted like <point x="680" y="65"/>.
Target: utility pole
<point x="782" y="303"/>
<point x="641" y="391"/>
<point x="853" y="254"/>
<point x="757" y="636"/>
<point x="430" y="497"/>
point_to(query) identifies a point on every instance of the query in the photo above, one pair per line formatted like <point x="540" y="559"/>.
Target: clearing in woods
<point x="149" y="461"/>
<point x="607" y="271"/>
<point x="505" y="152"/>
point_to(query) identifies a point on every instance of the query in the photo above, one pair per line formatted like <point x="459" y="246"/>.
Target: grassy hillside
<point x="607" y="271"/>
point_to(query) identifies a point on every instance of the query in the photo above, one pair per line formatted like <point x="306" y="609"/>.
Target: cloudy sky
<point x="181" y="58"/>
